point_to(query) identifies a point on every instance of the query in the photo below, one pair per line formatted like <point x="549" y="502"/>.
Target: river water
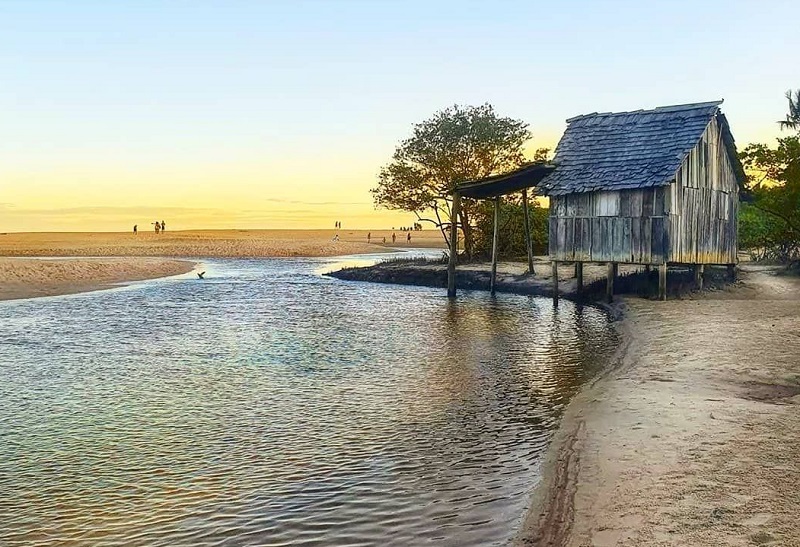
<point x="269" y="405"/>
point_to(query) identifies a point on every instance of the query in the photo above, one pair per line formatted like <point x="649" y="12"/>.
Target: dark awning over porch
<point x="525" y="177"/>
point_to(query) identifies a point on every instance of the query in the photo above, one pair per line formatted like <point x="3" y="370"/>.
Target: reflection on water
<point x="268" y="405"/>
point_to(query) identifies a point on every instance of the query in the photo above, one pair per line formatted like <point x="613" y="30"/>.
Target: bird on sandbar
<point x="201" y="274"/>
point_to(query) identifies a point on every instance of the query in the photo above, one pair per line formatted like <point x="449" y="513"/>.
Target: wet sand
<point x="212" y="243"/>
<point x="31" y="277"/>
<point x="693" y="437"/>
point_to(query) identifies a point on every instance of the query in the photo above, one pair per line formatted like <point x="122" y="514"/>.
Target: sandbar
<point x="215" y="243"/>
<point x="33" y="277"/>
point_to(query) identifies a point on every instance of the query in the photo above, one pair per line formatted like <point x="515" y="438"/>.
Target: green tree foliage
<point x="511" y="240"/>
<point x="457" y="144"/>
<point x="771" y="224"/>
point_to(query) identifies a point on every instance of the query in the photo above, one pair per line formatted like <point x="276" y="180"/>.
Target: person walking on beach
<point x="369" y="236"/>
<point x="163" y="226"/>
<point x="408" y="239"/>
<point x="384" y="240"/>
<point x="158" y="226"/>
<point x="135" y="229"/>
<point x="394" y="237"/>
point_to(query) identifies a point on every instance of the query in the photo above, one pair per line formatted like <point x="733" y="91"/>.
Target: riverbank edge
<point x="738" y="490"/>
<point x="558" y="514"/>
<point x="40" y="277"/>
<point x="549" y="519"/>
<point x="466" y="279"/>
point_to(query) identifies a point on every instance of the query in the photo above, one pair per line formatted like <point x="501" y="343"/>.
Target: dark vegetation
<point x="769" y="226"/>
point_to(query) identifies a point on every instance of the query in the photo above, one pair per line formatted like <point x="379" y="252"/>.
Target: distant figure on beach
<point x="369" y="236"/>
<point x="394" y="237"/>
<point x="384" y="239"/>
<point x="408" y="239"/>
<point x="336" y="237"/>
<point x="163" y="226"/>
<point x="336" y="225"/>
<point x="158" y="226"/>
<point x="135" y="229"/>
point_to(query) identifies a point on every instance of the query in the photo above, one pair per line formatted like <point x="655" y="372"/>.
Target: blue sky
<point x="287" y="107"/>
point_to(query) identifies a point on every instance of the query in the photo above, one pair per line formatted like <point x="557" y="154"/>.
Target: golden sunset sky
<point x="280" y="114"/>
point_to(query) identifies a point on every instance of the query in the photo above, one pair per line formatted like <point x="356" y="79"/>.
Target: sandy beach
<point x="692" y="438"/>
<point x="213" y="243"/>
<point x="31" y="277"/>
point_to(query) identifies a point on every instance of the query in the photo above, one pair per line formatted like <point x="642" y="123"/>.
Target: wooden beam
<point x="579" y="277"/>
<point x="451" y="263"/>
<point x="699" y="269"/>
<point x="662" y="281"/>
<point x="495" y="240"/>
<point x="610" y="275"/>
<point x="555" y="283"/>
<point x="528" y="241"/>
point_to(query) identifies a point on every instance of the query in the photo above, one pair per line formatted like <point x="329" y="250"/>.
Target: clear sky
<point x="280" y="114"/>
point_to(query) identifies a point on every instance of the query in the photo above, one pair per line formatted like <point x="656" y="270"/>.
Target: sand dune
<point x="210" y="243"/>
<point x="31" y="277"/>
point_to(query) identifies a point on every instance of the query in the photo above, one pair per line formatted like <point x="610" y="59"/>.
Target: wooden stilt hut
<point x="652" y="187"/>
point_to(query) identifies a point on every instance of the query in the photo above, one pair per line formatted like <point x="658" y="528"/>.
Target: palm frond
<point x="792" y="120"/>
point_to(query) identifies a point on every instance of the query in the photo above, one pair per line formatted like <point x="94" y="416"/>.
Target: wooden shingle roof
<point x="625" y="150"/>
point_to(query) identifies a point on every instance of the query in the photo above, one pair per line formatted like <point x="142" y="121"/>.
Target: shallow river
<point x="268" y="405"/>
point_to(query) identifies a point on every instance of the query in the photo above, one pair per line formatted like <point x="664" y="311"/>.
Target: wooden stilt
<point x="699" y="269"/>
<point x="647" y="268"/>
<point x="662" y="281"/>
<point x="451" y="264"/>
<point x="579" y="277"/>
<point x="611" y="274"/>
<point x="495" y="237"/>
<point x="732" y="272"/>
<point x="555" y="283"/>
<point x="528" y="241"/>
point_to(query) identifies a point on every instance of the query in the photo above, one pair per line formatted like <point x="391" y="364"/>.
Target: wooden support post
<point x="555" y="283"/>
<point x="662" y="281"/>
<point x="732" y="272"/>
<point x="528" y="241"/>
<point x="647" y="268"/>
<point x="495" y="239"/>
<point x="451" y="264"/>
<point x="611" y="274"/>
<point x="699" y="269"/>
<point x="579" y="277"/>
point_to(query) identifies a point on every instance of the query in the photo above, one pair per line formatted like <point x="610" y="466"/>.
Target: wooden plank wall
<point x="692" y="221"/>
<point x="624" y="226"/>
<point x="705" y="198"/>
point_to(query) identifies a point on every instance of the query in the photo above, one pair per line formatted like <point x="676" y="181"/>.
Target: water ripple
<point x="271" y="406"/>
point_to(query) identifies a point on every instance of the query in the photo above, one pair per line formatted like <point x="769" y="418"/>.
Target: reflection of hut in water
<point x="651" y="187"/>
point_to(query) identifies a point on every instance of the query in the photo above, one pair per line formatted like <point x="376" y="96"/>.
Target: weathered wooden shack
<point x="653" y="187"/>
